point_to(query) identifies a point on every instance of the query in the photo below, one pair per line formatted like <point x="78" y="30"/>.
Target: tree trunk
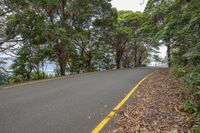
<point x="62" y="65"/>
<point x="62" y="59"/>
<point x="140" y="60"/>
<point x="62" y="53"/>
<point x="125" y="61"/>
<point x="135" y="49"/>
<point x="169" y="55"/>
<point x="118" y="59"/>
<point x="43" y="70"/>
<point x="135" y="59"/>
<point x="38" y="71"/>
<point x="89" y="65"/>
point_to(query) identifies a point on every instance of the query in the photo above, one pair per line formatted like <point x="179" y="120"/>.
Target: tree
<point x="137" y="48"/>
<point x="117" y="37"/>
<point x="29" y="59"/>
<point x="79" y="36"/>
<point x="22" y="65"/>
<point x="53" y="22"/>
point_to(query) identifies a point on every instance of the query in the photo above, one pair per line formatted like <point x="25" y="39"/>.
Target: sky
<point x="136" y="5"/>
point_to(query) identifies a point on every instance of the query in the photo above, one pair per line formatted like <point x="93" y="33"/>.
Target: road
<point x="75" y="104"/>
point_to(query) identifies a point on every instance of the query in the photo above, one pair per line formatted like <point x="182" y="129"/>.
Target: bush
<point x="190" y="107"/>
<point x="3" y="78"/>
<point x="197" y="91"/>
<point x="14" y="79"/>
<point x="194" y="75"/>
<point x="40" y="75"/>
<point x="178" y="70"/>
<point x="193" y="79"/>
<point x="196" y="128"/>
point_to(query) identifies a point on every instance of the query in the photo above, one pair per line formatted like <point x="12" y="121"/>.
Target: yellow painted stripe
<point x="112" y="113"/>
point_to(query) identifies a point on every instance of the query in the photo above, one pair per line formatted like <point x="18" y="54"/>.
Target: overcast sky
<point x="135" y="5"/>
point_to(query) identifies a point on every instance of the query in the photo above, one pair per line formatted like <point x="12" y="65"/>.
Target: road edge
<point x="100" y="126"/>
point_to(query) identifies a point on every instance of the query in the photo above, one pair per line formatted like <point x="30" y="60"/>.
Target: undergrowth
<point x="191" y="76"/>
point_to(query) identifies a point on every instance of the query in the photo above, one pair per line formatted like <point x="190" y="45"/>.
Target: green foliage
<point x="196" y="128"/>
<point x="55" y="24"/>
<point x="3" y="78"/>
<point x="190" y="107"/>
<point x="178" y="70"/>
<point x="197" y="91"/>
<point x="194" y="109"/>
<point x="194" y="76"/>
<point x="177" y="26"/>
<point x="40" y="75"/>
<point x="14" y="79"/>
<point x="78" y="36"/>
<point x="193" y="79"/>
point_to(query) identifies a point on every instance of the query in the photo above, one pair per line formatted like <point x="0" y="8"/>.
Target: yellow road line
<point x="112" y="113"/>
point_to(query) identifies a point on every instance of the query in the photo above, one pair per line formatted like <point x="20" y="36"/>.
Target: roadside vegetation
<point x="178" y="27"/>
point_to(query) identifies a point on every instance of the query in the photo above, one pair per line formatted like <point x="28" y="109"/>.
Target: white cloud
<point x="163" y="51"/>
<point x="134" y="5"/>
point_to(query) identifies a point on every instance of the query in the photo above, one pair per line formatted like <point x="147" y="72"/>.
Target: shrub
<point x="40" y="75"/>
<point x="197" y="91"/>
<point x="3" y="78"/>
<point x="196" y="128"/>
<point x="190" y="107"/>
<point x="14" y="79"/>
<point x="178" y="70"/>
<point x="194" y="75"/>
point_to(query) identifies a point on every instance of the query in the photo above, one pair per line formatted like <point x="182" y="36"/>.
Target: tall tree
<point x="53" y="22"/>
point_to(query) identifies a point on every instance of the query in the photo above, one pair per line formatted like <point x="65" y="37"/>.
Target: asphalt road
<point x="75" y="104"/>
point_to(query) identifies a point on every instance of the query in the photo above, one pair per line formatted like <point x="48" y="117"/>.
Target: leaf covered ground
<point x="158" y="107"/>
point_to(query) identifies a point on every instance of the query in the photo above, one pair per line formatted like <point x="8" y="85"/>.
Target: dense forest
<point x="90" y="35"/>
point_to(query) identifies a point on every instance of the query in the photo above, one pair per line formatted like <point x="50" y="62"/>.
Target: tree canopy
<point x="79" y="36"/>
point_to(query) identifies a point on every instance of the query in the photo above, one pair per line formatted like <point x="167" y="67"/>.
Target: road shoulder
<point x="158" y="107"/>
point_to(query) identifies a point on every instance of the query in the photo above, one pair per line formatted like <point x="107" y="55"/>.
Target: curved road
<point x="75" y="104"/>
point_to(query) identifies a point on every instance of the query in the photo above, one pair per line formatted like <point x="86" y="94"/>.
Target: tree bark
<point x="169" y="55"/>
<point x="135" y="49"/>
<point x="140" y="59"/>
<point x="125" y="61"/>
<point x="88" y="64"/>
<point x="62" y="58"/>
<point x="62" y="63"/>
<point x="119" y="54"/>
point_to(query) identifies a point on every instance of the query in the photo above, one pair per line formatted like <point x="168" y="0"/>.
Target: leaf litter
<point x="158" y="108"/>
